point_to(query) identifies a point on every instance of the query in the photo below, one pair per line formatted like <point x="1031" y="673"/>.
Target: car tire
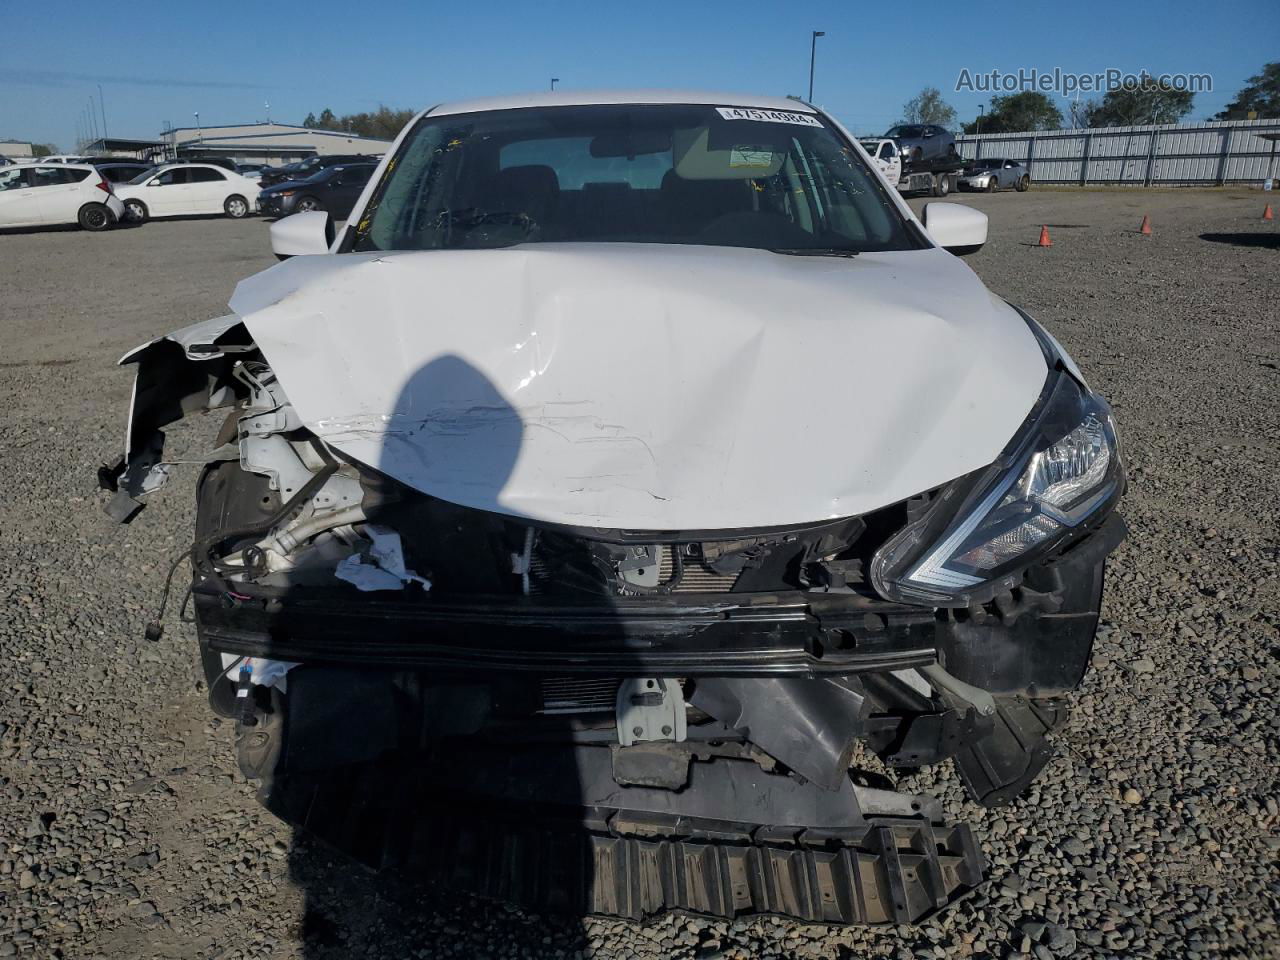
<point x="306" y="205"/>
<point x="236" y="207"/>
<point x="1024" y="184"/>
<point x="94" y="217"/>
<point x="992" y="184"/>
<point x="941" y="184"/>
<point x="135" y="211"/>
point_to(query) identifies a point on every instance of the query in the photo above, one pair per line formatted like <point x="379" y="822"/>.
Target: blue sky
<point x="163" y="61"/>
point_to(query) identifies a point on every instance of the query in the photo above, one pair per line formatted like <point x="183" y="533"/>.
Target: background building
<point x="273" y="143"/>
<point x="14" y="149"/>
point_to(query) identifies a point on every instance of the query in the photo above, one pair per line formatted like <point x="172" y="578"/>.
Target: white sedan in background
<point x="187" y="189"/>
<point x="33" y="195"/>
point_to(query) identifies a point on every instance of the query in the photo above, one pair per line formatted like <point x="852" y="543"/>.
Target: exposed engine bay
<point x="600" y="720"/>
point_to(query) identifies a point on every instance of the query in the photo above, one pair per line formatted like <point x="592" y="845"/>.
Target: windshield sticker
<point x="767" y="116"/>
<point x="750" y="155"/>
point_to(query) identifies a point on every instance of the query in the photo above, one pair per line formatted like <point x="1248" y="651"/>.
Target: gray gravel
<point x="124" y="831"/>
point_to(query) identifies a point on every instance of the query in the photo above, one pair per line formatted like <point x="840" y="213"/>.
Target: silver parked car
<point x="994" y="173"/>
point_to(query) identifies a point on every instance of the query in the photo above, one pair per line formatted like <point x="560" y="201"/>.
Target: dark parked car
<point x="923" y="142"/>
<point x="334" y="190"/>
<point x="311" y="166"/>
<point x="121" y="172"/>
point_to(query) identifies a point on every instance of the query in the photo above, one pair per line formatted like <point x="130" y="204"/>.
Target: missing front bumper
<point x="889" y="859"/>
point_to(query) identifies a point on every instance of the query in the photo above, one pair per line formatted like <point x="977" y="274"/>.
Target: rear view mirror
<point x="630" y="143"/>
<point x="956" y="228"/>
<point x="302" y="234"/>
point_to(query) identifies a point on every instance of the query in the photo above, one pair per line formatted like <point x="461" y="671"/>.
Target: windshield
<point x="145" y="175"/>
<point x="907" y="130"/>
<point x="672" y="173"/>
<point x="987" y="164"/>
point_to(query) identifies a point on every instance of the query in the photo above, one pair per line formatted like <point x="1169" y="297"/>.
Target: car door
<point x="208" y="190"/>
<point x="890" y="161"/>
<point x="58" y="194"/>
<point x="18" y="204"/>
<point x="345" y="187"/>
<point x="1012" y="173"/>
<point x="166" y="193"/>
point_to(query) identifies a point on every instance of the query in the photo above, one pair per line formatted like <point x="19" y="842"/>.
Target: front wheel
<point x="135" y="211"/>
<point x="991" y="185"/>
<point x="94" y="217"/>
<point x="1024" y="184"/>
<point x="306" y="205"/>
<point x="236" y="207"/>
<point x="941" y="184"/>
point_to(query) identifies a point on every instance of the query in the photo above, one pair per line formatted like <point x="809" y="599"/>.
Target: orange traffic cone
<point x="1044" y="238"/>
<point x="1267" y="214"/>
<point x="1145" y="229"/>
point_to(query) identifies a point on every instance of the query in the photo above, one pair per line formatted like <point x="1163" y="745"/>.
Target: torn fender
<point x="187" y="371"/>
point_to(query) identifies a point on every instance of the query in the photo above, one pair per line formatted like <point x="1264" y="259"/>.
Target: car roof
<point x="64" y="166"/>
<point x="578" y="98"/>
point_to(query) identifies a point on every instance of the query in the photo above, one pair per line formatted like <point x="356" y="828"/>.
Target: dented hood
<point x="646" y="386"/>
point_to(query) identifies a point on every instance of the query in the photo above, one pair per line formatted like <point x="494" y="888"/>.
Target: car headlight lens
<point x="1061" y="471"/>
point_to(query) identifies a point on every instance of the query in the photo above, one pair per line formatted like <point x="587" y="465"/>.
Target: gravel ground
<point x="125" y="831"/>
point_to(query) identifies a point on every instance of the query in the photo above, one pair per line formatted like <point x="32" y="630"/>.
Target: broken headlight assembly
<point x="1056" y="480"/>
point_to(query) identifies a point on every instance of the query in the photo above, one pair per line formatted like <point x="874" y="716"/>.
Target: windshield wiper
<point x="815" y="251"/>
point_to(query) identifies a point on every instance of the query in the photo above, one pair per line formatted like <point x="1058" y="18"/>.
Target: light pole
<point x="199" y="132"/>
<point x="103" y="107"/>
<point x="813" y="51"/>
<point x="981" y="106"/>
<point x="554" y="81"/>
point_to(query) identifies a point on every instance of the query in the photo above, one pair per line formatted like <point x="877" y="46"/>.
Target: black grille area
<point x="569" y="695"/>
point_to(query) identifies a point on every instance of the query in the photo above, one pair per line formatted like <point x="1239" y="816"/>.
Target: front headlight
<point x="1061" y="472"/>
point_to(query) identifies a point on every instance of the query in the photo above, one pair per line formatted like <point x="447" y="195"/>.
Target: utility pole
<point x="813" y="51"/>
<point x="554" y="81"/>
<point x="199" y="132"/>
<point x="980" y="109"/>
<point x="103" y="107"/>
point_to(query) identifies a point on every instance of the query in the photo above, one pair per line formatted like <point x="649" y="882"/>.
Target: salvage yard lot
<point x="1154" y="833"/>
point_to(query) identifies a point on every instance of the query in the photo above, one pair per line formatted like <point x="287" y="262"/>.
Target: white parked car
<point x="626" y="462"/>
<point x="51" y="194"/>
<point x="187" y="189"/>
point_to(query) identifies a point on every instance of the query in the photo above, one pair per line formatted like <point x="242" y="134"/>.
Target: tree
<point x="1018" y="112"/>
<point x="1147" y="101"/>
<point x="43" y="149"/>
<point x="382" y="124"/>
<point x="929" y="107"/>
<point x="1261" y="95"/>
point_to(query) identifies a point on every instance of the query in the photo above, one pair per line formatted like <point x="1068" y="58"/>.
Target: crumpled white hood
<point x="648" y="386"/>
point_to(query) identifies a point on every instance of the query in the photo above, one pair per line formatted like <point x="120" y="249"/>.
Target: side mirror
<point x="154" y="183"/>
<point x="305" y="234"/>
<point x="956" y="228"/>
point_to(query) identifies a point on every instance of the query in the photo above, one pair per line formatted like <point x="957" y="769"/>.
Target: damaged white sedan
<point x="631" y="475"/>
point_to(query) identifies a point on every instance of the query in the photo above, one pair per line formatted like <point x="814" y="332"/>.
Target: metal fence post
<point x="1031" y="152"/>
<point x="1084" y="161"/>
<point x="1225" y="157"/>
<point x="1151" y="157"/>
